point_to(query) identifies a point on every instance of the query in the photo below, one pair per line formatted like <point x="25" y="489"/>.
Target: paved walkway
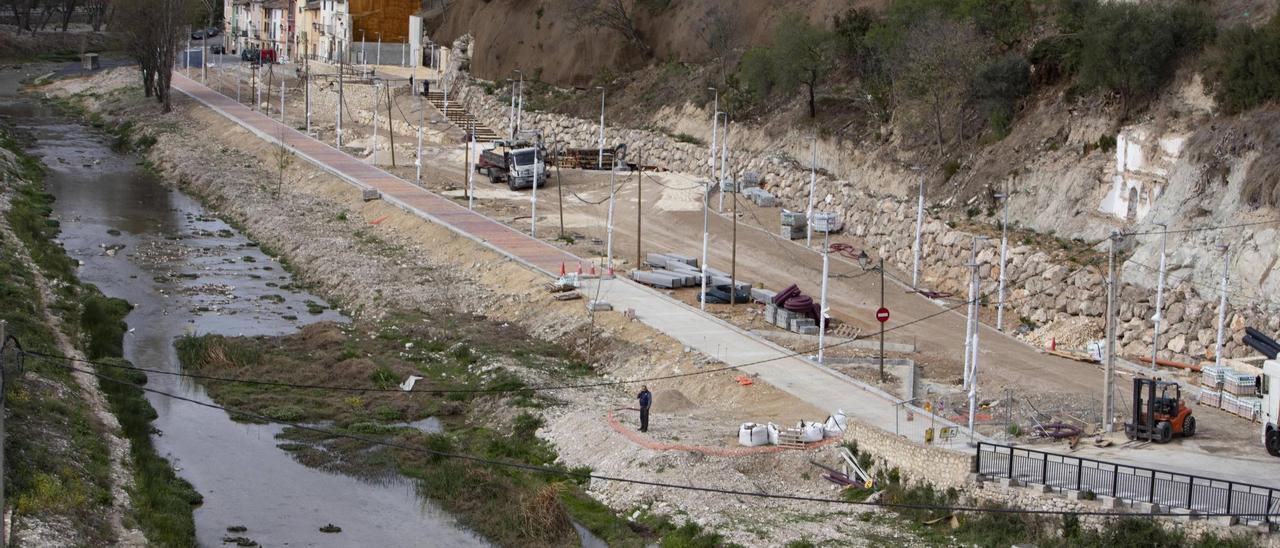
<point x="819" y="386"/>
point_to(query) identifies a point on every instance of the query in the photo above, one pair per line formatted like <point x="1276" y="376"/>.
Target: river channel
<point x="185" y="271"/>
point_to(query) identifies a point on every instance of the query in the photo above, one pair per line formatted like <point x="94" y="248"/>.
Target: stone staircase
<point x="463" y="119"/>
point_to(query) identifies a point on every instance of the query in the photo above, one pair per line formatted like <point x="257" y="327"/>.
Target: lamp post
<point x="813" y="182"/>
<point x="1222" y="304"/>
<point x="600" y="156"/>
<point x="822" y="300"/>
<point x="362" y="62"/>
<point x="511" y="117"/>
<point x="378" y="59"/>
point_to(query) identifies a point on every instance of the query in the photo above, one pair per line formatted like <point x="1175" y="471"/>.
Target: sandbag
<point x="811" y="432"/>
<point x="836" y="424"/>
<point x="773" y="434"/>
<point x="751" y="434"/>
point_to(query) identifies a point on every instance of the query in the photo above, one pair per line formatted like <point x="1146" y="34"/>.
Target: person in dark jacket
<point x="646" y="399"/>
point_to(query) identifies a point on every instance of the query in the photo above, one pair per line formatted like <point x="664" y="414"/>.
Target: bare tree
<point x="608" y="14"/>
<point x="151" y="31"/>
<point x="719" y="33"/>
<point x="97" y="12"/>
<point x="281" y="159"/>
<point x="933" y="65"/>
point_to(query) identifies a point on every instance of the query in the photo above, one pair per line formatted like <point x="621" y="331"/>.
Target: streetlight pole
<point x="1004" y="256"/>
<point x="533" y="197"/>
<point x="881" y="268"/>
<point x="511" y="117"/>
<point x="362" y="58"/>
<point x="813" y="182"/>
<point x="972" y="317"/>
<point x="1222" y="304"/>
<point x="600" y="155"/>
<point x="1159" y="315"/>
<point x="378" y="59"/>
<point x="971" y="380"/>
<point x="613" y="172"/>
<point x="376" y="102"/>
<point x="706" y="196"/>
<point x="1108" y="378"/>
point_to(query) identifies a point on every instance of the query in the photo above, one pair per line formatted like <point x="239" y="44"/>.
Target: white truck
<point x="1269" y="389"/>
<point x="520" y="163"/>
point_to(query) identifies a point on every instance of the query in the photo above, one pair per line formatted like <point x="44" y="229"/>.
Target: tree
<point x="719" y="32"/>
<point x="281" y="159"/>
<point x="800" y="54"/>
<point x="1133" y="49"/>
<point x="151" y="31"/>
<point x="609" y="15"/>
<point x="933" y="65"/>
<point x="1245" y="67"/>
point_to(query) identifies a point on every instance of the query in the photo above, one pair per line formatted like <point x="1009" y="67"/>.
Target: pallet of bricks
<point x="1232" y="391"/>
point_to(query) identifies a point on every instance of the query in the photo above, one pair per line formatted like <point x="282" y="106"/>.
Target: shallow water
<point x="186" y="272"/>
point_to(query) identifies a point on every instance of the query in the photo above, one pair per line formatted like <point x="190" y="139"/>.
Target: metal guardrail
<point x="1133" y="483"/>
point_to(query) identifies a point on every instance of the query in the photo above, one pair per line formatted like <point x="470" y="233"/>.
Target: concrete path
<point x="819" y="386"/>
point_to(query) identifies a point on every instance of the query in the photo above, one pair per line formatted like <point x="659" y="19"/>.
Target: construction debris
<point x="760" y="197"/>
<point x="599" y="306"/>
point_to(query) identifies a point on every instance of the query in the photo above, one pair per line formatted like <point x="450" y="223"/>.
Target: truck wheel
<point x="1189" y="427"/>
<point x="1273" y="442"/>
<point x="1164" y="432"/>
<point x="493" y="179"/>
<point x="511" y="184"/>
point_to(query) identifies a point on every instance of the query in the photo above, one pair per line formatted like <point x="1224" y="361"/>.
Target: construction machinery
<point x="1159" y="413"/>
<point x="521" y="163"/>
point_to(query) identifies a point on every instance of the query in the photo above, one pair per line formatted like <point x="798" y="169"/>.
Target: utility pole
<point x="608" y="247"/>
<point x="377" y="102"/>
<point x="519" y="102"/>
<point x="422" y="113"/>
<point x="391" y="130"/>
<point x="378" y="59"/>
<point x="271" y="75"/>
<point x="724" y="158"/>
<point x="1222" y="304"/>
<point x="822" y="305"/>
<point x="282" y="88"/>
<point x="706" y="196"/>
<point x="1159" y="315"/>
<point x="972" y="380"/>
<point x="733" y="256"/>
<point x="813" y="182"/>
<point x="4" y="532"/>
<point x="915" y="249"/>
<point x="341" y="99"/>
<point x="511" y="116"/>
<point x="471" y="169"/>
<point x="639" y="206"/>
<point x="306" y="75"/>
<point x="560" y="189"/>
<point x="881" y="323"/>
<point x="533" y="197"/>
<point x="1108" y="405"/>
<point x="1004" y="256"/>
<point x="600" y="155"/>
<point x="239" y="68"/>
<point x="972" y="315"/>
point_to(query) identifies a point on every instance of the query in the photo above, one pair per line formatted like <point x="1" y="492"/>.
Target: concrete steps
<point x="458" y="116"/>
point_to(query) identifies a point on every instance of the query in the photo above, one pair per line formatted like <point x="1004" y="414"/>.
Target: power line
<point x="649" y="483"/>
<point x="1201" y="229"/>
<point x="526" y="388"/>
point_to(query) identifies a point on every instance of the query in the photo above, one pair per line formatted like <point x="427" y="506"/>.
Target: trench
<point x="187" y="272"/>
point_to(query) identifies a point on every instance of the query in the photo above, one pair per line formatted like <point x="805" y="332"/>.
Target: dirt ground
<point x="405" y="262"/>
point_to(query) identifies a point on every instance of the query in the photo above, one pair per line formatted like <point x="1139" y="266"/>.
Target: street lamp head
<point x="711" y="88"/>
<point x="863" y="259"/>
<point x="1001" y="196"/>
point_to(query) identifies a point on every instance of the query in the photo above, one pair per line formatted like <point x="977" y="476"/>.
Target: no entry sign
<point x="882" y="314"/>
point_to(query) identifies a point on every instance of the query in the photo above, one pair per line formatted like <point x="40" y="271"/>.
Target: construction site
<point x="677" y="326"/>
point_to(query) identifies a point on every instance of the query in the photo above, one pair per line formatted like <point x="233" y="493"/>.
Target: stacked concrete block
<point x="762" y="295"/>
<point x="791" y="232"/>
<point x="827" y="222"/>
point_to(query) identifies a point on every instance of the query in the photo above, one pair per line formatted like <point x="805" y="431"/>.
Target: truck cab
<point x="1269" y="389"/>
<point x="526" y="166"/>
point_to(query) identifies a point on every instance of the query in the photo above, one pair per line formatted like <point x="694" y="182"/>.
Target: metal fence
<point x="1133" y="483"/>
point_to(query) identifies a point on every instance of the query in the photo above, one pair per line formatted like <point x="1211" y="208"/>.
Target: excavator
<point x="1159" y="413"/>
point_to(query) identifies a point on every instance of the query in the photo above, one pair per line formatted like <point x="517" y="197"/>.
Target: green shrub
<point x="1107" y="143"/>
<point x="999" y="87"/>
<point x="1245" y="67"/>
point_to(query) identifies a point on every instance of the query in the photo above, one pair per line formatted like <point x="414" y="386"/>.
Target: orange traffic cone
<point x="610" y="272"/>
<point x="579" y="268"/>
<point x="1053" y="343"/>
<point x="593" y="269"/>
<point x="561" y="269"/>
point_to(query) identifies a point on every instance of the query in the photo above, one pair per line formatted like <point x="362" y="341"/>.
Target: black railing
<point x="1133" y="483"/>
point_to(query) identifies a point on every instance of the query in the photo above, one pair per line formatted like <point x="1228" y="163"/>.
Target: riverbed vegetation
<point x="368" y="433"/>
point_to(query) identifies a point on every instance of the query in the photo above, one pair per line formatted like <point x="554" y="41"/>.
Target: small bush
<point x="999" y="87"/>
<point x="1107" y="143"/>
<point x="1245" y="67"/>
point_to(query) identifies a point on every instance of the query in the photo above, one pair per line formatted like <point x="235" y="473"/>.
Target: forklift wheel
<point x="1164" y="432"/>
<point x="1189" y="427"/>
<point x="1273" y="442"/>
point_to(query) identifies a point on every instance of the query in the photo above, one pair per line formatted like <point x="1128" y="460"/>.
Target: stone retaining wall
<point x="917" y="463"/>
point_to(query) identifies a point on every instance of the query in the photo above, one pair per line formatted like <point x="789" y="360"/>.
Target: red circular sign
<point x="882" y="314"/>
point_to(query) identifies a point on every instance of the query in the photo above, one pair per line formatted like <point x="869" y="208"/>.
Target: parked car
<point x="198" y="35"/>
<point x="212" y="31"/>
<point x="217" y="50"/>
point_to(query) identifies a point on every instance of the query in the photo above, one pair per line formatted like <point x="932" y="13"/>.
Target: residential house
<point x="277" y="28"/>
<point x="333" y="30"/>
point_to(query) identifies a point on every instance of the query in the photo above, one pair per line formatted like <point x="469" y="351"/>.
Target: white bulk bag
<point x="836" y="424"/>
<point x="752" y="434"/>
<point x="773" y="434"/>
<point x="811" y="432"/>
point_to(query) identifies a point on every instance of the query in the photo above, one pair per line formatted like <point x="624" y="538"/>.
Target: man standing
<point x="645" y="400"/>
